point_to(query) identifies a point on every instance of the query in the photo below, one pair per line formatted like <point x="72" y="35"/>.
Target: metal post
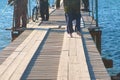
<point x="96" y="2"/>
<point x="92" y="9"/>
<point x="29" y="9"/>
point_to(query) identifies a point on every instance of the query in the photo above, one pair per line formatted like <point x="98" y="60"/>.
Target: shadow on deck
<point x="45" y="52"/>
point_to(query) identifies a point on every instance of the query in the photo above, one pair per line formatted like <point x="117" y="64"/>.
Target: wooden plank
<point x="22" y="66"/>
<point x="45" y="65"/>
<point x="63" y="64"/>
<point x="77" y="63"/>
<point x="26" y="41"/>
<point x="95" y="58"/>
<point x="73" y="64"/>
<point x="82" y="61"/>
<point x="13" y="45"/>
<point x="25" y="49"/>
<point x="72" y="47"/>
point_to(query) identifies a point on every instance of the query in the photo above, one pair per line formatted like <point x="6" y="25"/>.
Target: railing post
<point x="96" y="2"/>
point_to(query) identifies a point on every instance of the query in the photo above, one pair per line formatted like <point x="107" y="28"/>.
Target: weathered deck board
<point x="29" y="45"/>
<point x="72" y="61"/>
<point x="45" y="52"/>
<point x="45" y="64"/>
<point x="20" y="69"/>
<point x="77" y="61"/>
<point x="94" y="59"/>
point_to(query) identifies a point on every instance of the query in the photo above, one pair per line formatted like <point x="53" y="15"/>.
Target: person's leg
<point x="69" y="18"/>
<point x="47" y="13"/>
<point x="17" y="15"/>
<point x="65" y="17"/>
<point x="86" y="5"/>
<point x="78" y="21"/>
<point x="24" y="20"/>
<point x="24" y="17"/>
<point x="42" y="14"/>
<point x="57" y="3"/>
<point x="42" y="11"/>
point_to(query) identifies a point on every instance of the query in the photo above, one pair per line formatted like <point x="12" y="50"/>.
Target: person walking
<point x="72" y="12"/>
<point x="44" y="10"/>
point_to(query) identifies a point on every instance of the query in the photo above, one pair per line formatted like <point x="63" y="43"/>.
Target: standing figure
<point x="20" y="13"/>
<point x="72" y="12"/>
<point x="57" y="4"/>
<point x="86" y="5"/>
<point x="44" y="10"/>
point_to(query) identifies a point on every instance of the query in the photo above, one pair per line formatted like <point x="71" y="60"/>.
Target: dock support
<point x="96" y="35"/>
<point x="108" y="62"/>
<point x="15" y="34"/>
<point x="117" y="77"/>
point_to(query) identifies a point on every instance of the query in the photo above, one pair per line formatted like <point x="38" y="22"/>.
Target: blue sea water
<point x="6" y="19"/>
<point x="109" y="22"/>
<point x="5" y="22"/>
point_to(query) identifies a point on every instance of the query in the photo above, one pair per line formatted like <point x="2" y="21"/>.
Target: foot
<point x="78" y="33"/>
<point x="70" y="35"/>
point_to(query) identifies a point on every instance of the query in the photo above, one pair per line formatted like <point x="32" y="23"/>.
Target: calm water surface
<point x="109" y="22"/>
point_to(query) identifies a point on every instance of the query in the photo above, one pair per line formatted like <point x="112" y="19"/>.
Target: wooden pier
<point x="45" y="52"/>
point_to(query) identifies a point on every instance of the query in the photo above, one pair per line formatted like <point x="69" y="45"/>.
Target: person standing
<point x="86" y="5"/>
<point x="20" y="13"/>
<point x="44" y="10"/>
<point x="72" y="12"/>
<point x="57" y="4"/>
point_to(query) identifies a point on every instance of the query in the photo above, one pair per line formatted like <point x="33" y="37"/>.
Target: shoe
<point x="78" y="33"/>
<point x="71" y="35"/>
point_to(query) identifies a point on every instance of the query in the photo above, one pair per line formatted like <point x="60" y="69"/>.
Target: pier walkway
<point x="45" y="52"/>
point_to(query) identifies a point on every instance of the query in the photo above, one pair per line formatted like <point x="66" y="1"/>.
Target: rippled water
<point x="6" y="17"/>
<point x="5" y="22"/>
<point x="109" y="21"/>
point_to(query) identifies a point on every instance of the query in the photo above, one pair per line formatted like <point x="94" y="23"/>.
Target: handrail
<point x="94" y="10"/>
